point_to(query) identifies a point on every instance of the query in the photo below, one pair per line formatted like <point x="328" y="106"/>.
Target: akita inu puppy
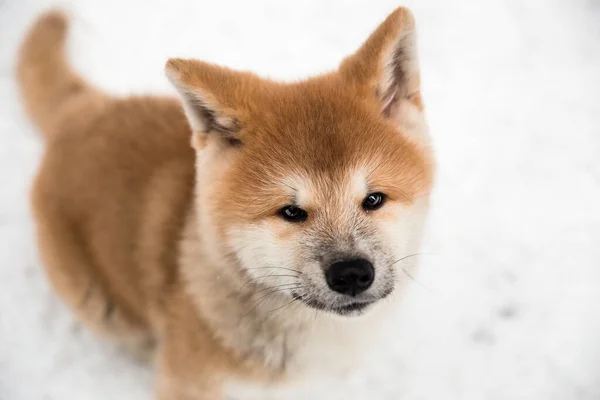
<point x="265" y="249"/>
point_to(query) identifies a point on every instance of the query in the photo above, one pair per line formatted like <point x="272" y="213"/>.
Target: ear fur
<point x="386" y="65"/>
<point x="205" y="98"/>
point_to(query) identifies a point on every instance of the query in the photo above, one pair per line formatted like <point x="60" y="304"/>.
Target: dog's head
<point x="315" y="189"/>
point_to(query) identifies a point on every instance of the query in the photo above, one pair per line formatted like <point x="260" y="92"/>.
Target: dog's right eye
<point x="293" y="214"/>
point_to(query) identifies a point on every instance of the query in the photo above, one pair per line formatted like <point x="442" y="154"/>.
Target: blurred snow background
<point x="508" y="305"/>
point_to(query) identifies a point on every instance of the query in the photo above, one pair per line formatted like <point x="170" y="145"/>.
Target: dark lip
<point x="356" y="306"/>
<point x="351" y="308"/>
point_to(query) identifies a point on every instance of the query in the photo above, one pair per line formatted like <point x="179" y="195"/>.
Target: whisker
<point x="278" y="286"/>
<point x="278" y="290"/>
<point x="286" y="304"/>
<point x="409" y="256"/>
<point x="287" y="269"/>
<point x="258" y="301"/>
<point x="265" y="276"/>
<point x="416" y="281"/>
<point x="281" y="309"/>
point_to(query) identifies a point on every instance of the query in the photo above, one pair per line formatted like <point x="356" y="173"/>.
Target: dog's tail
<point x="47" y="82"/>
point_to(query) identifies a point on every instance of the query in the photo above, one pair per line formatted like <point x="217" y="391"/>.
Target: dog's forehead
<point x="308" y="188"/>
<point x="324" y="134"/>
<point x="320" y="114"/>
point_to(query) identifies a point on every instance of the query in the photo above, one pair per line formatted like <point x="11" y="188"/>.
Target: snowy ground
<point x="508" y="305"/>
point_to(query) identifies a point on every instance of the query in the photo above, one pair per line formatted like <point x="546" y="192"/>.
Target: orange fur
<point x="119" y="231"/>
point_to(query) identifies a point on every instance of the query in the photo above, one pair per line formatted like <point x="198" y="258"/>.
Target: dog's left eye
<point x="373" y="201"/>
<point x="293" y="214"/>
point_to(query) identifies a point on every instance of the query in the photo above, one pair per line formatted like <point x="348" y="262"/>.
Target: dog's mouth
<point x="350" y="308"/>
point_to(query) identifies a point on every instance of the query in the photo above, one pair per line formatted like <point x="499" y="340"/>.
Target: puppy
<point x="257" y="255"/>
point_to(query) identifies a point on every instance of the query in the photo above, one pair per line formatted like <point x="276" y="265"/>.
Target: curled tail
<point x="44" y="75"/>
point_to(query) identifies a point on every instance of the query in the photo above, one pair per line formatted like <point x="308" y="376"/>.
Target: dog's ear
<point x="212" y="96"/>
<point x="386" y="67"/>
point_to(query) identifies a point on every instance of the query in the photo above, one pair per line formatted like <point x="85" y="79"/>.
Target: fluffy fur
<point x="181" y="249"/>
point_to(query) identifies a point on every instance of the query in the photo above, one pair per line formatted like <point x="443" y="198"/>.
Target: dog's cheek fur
<point x="402" y="230"/>
<point x="262" y="253"/>
<point x="213" y="163"/>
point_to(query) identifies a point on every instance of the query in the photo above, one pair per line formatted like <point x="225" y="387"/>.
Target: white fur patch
<point x="358" y="184"/>
<point x="332" y="348"/>
<point x="299" y="188"/>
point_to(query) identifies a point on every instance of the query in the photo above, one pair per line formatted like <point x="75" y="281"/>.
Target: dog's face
<point x="313" y="190"/>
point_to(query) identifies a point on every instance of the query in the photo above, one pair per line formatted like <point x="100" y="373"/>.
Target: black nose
<point x="350" y="277"/>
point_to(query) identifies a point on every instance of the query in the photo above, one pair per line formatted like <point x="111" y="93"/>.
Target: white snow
<point x="508" y="305"/>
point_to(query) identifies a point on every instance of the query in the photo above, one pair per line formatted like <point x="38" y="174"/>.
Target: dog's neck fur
<point x="285" y="337"/>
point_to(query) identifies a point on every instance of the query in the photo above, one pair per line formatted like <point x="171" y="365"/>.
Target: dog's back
<point x="112" y="190"/>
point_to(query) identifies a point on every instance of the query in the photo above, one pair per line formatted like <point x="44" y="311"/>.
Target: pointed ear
<point x="208" y="96"/>
<point x="386" y="66"/>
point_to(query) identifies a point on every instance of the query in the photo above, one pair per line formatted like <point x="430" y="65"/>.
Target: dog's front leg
<point x="170" y="387"/>
<point x="185" y="376"/>
<point x="182" y="391"/>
